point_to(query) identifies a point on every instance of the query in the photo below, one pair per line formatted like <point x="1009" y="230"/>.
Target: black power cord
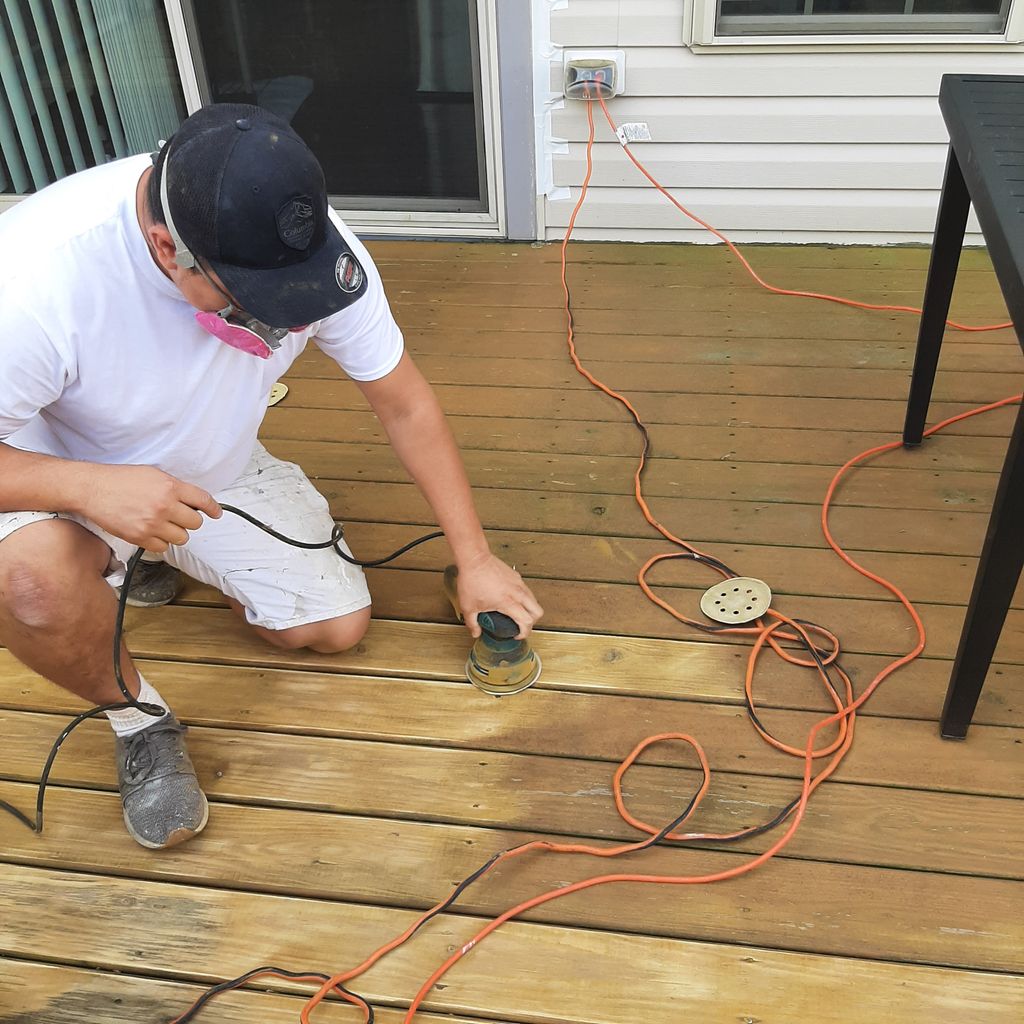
<point x="228" y="986"/>
<point x="154" y="710"/>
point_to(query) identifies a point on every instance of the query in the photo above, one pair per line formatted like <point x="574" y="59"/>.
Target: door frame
<point x="425" y="223"/>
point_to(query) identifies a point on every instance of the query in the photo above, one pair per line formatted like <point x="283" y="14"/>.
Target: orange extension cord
<point x="770" y="633"/>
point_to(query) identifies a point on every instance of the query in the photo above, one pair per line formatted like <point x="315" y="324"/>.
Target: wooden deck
<point x="350" y="791"/>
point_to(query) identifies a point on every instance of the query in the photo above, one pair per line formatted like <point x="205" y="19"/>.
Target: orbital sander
<point x="498" y="664"/>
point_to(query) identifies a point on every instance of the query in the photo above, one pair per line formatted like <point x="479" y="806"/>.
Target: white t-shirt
<point x="101" y="359"/>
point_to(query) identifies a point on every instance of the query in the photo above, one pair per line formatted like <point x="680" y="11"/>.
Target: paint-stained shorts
<point x="280" y="586"/>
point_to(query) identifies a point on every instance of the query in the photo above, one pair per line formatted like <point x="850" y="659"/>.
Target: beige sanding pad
<point x="277" y="392"/>
<point x="737" y="601"/>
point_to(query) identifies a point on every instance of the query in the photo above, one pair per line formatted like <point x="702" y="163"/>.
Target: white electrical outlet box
<point x="590" y="70"/>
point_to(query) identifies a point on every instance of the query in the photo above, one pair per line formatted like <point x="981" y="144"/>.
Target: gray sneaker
<point x="163" y="804"/>
<point x="153" y="584"/>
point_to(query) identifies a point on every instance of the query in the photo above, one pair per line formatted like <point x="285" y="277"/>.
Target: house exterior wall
<point x="844" y="146"/>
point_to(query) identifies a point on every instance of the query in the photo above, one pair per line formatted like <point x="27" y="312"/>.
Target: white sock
<point x="131" y="720"/>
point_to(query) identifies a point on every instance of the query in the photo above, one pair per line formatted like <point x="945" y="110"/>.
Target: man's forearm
<point x="409" y="411"/>
<point x="40" y="483"/>
<point x="423" y="442"/>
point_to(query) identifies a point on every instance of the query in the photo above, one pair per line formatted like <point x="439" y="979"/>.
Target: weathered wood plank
<point x="821" y="257"/>
<point x="959" y="532"/>
<point x="581" y="437"/>
<point x="39" y="993"/>
<point x="271" y="850"/>
<point x="683" y="378"/>
<point x="985" y="356"/>
<point x="890" y="752"/>
<point x="713" y="273"/>
<point x="609" y="559"/>
<point x="854" y="415"/>
<point x="104" y="924"/>
<point x="867" y="627"/>
<point x="628" y="666"/>
<point x="837" y="322"/>
<point x="880" y="485"/>
<point x="634" y="298"/>
<point x="768" y="320"/>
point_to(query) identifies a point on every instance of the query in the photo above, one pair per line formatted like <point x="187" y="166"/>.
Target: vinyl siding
<point x="844" y="147"/>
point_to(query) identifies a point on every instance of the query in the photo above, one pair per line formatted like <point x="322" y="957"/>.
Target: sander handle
<point x="500" y="626"/>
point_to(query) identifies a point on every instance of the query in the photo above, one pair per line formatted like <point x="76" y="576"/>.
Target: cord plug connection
<point x="589" y="74"/>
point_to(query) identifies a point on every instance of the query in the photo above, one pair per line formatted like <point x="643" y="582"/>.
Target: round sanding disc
<point x="736" y="601"/>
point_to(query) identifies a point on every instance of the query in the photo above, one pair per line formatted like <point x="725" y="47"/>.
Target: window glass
<point x="861" y="17"/>
<point x="386" y="93"/>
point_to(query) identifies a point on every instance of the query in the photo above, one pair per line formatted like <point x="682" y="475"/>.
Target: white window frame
<point x="701" y="17"/>
<point x="434" y="224"/>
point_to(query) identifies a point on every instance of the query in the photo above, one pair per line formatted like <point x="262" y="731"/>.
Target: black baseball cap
<point x="245" y="194"/>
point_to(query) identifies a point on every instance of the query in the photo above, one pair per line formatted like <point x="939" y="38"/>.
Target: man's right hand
<point x="144" y="505"/>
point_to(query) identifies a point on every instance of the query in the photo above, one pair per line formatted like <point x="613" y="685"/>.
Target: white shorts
<point x="279" y="585"/>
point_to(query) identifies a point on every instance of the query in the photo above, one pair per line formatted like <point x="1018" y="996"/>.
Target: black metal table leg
<point x="950" y="225"/>
<point x="1002" y="559"/>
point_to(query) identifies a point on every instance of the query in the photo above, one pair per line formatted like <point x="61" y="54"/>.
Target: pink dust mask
<point x="252" y="336"/>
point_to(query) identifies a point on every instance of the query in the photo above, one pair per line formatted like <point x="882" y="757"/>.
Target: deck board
<point x="904" y="882"/>
<point x="659" y="408"/>
<point x="934" y="910"/>
<point x="881" y="486"/>
<point x="685" y="378"/>
<point x="203" y="926"/>
<point x="581" y="437"/>
<point x="55" y="994"/>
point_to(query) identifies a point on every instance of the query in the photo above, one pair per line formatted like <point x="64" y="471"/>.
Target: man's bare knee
<point x="30" y="596"/>
<point x="41" y="566"/>
<point x="332" y="636"/>
<point x="343" y="633"/>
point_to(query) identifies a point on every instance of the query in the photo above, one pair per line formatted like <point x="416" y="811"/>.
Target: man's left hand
<point x="490" y="585"/>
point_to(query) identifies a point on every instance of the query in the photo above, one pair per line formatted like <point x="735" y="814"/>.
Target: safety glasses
<point x="236" y="328"/>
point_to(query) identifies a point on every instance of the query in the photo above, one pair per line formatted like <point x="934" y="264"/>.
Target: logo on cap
<point x="295" y="222"/>
<point x="348" y="273"/>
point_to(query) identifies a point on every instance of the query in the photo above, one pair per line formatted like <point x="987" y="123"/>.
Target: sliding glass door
<point x="81" y="82"/>
<point x="386" y="93"/>
<point x="389" y="94"/>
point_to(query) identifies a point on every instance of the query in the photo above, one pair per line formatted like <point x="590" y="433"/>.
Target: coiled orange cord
<point x="753" y="273"/>
<point x="779" y="628"/>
